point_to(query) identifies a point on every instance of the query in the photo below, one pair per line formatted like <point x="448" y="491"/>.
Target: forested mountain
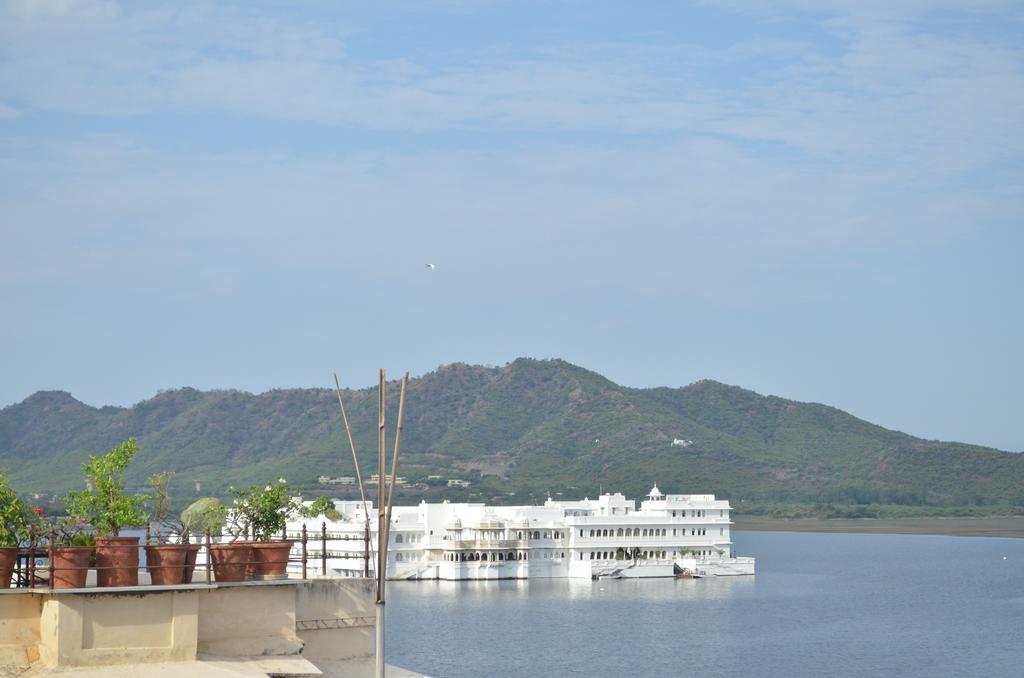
<point x="530" y="427"/>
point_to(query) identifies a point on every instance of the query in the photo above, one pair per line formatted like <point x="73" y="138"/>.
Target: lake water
<point x="820" y="605"/>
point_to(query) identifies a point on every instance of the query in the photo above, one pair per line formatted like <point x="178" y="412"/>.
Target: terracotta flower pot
<point x="270" y="557"/>
<point x="117" y="561"/>
<point x="8" y="556"/>
<point x="190" y="562"/>
<point x="166" y="563"/>
<point x="70" y="566"/>
<point x="230" y="560"/>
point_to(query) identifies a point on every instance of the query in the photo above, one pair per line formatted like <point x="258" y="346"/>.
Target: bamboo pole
<point x="355" y="459"/>
<point x="381" y="533"/>
<point x="398" y="441"/>
<point x="394" y="459"/>
<point x="382" y="545"/>
<point x="351" y="442"/>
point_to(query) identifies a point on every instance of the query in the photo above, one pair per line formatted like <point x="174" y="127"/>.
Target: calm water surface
<point x="820" y="605"/>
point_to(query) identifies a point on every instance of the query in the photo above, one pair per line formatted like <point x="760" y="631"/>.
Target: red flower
<point x="39" y="510"/>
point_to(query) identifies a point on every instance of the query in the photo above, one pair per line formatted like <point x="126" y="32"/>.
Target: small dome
<point x="655" y="493"/>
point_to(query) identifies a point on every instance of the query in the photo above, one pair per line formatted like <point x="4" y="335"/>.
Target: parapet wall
<point x="323" y="619"/>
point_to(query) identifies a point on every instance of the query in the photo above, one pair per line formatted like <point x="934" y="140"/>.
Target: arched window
<point x="591" y="533"/>
<point x="510" y="556"/>
<point x="398" y="539"/>
<point x="483" y="556"/>
<point x="645" y="532"/>
<point x="619" y="533"/>
<point x="536" y="535"/>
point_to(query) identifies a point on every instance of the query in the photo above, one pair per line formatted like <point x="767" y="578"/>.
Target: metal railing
<point x="42" y="563"/>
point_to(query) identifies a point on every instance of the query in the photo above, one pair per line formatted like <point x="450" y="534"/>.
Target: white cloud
<point x="49" y="9"/>
<point x="865" y="141"/>
<point x="940" y="102"/>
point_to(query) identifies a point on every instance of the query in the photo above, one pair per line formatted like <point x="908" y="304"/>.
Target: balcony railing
<point x="37" y="567"/>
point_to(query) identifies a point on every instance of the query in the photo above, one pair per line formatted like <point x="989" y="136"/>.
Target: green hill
<point x="529" y="428"/>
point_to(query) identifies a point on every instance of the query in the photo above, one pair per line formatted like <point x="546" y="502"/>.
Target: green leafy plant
<point x="164" y="526"/>
<point x="71" y="531"/>
<point x="202" y="515"/>
<point x="160" y="499"/>
<point x="16" y="516"/>
<point x="105" y="505"/>
<point x="322" y="506"/>
<point x="263" y="512"/>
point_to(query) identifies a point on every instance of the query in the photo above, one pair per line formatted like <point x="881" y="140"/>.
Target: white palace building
<point x="607" y="537"/>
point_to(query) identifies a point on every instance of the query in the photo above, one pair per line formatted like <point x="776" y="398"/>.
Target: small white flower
<point x="235" y="502"/>
<point x="281" y="480"/>
<point x="267" y="488"/>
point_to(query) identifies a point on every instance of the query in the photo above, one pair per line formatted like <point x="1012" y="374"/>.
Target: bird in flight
<point x="431" y="266"/>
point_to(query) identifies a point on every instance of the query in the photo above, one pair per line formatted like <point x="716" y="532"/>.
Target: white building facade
<point x="607" y="537"/>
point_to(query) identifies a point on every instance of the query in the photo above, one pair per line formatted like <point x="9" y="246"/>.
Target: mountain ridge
<point x="526" y="427"/>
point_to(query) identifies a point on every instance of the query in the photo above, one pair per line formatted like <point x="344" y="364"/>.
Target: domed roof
<point x="655" y="493"/>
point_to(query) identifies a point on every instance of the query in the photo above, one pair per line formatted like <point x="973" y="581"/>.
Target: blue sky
<point x="818" y="200"/>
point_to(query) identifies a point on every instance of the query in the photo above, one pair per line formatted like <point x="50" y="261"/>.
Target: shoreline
<point x="991" y="526"/>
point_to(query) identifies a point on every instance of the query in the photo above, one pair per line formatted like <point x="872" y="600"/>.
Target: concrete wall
<point x="335" y="618"/>
<point x="248" y="621"/>
<point x="325" y="619"/>
<point x="97" y="629"/>
<point x="19" y="629"/>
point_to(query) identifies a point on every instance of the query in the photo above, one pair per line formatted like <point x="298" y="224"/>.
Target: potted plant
<point x="72" y="553"/>
<point x="166" y="560"/>
<point x="107" y="507"/>
<point x="203" y="515"/>
<point x="263" y="513"/>
<point x="16" y="518"/>
<point x="231" y="559"/>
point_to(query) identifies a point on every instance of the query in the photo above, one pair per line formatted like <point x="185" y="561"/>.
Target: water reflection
<point x="847" y="605"/>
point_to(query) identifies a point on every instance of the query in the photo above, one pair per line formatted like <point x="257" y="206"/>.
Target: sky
<point x="817" y="200"/>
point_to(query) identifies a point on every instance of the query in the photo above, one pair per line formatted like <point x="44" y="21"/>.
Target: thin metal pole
<point x="303" y="550"/>
<point x="50" y="554"/>
<point x="323" y="548"/>
<point x="366" y="552"/>
<point x="209" y="555"/>
<point x="32" y="558"/>
<point x="379" y="659"/>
